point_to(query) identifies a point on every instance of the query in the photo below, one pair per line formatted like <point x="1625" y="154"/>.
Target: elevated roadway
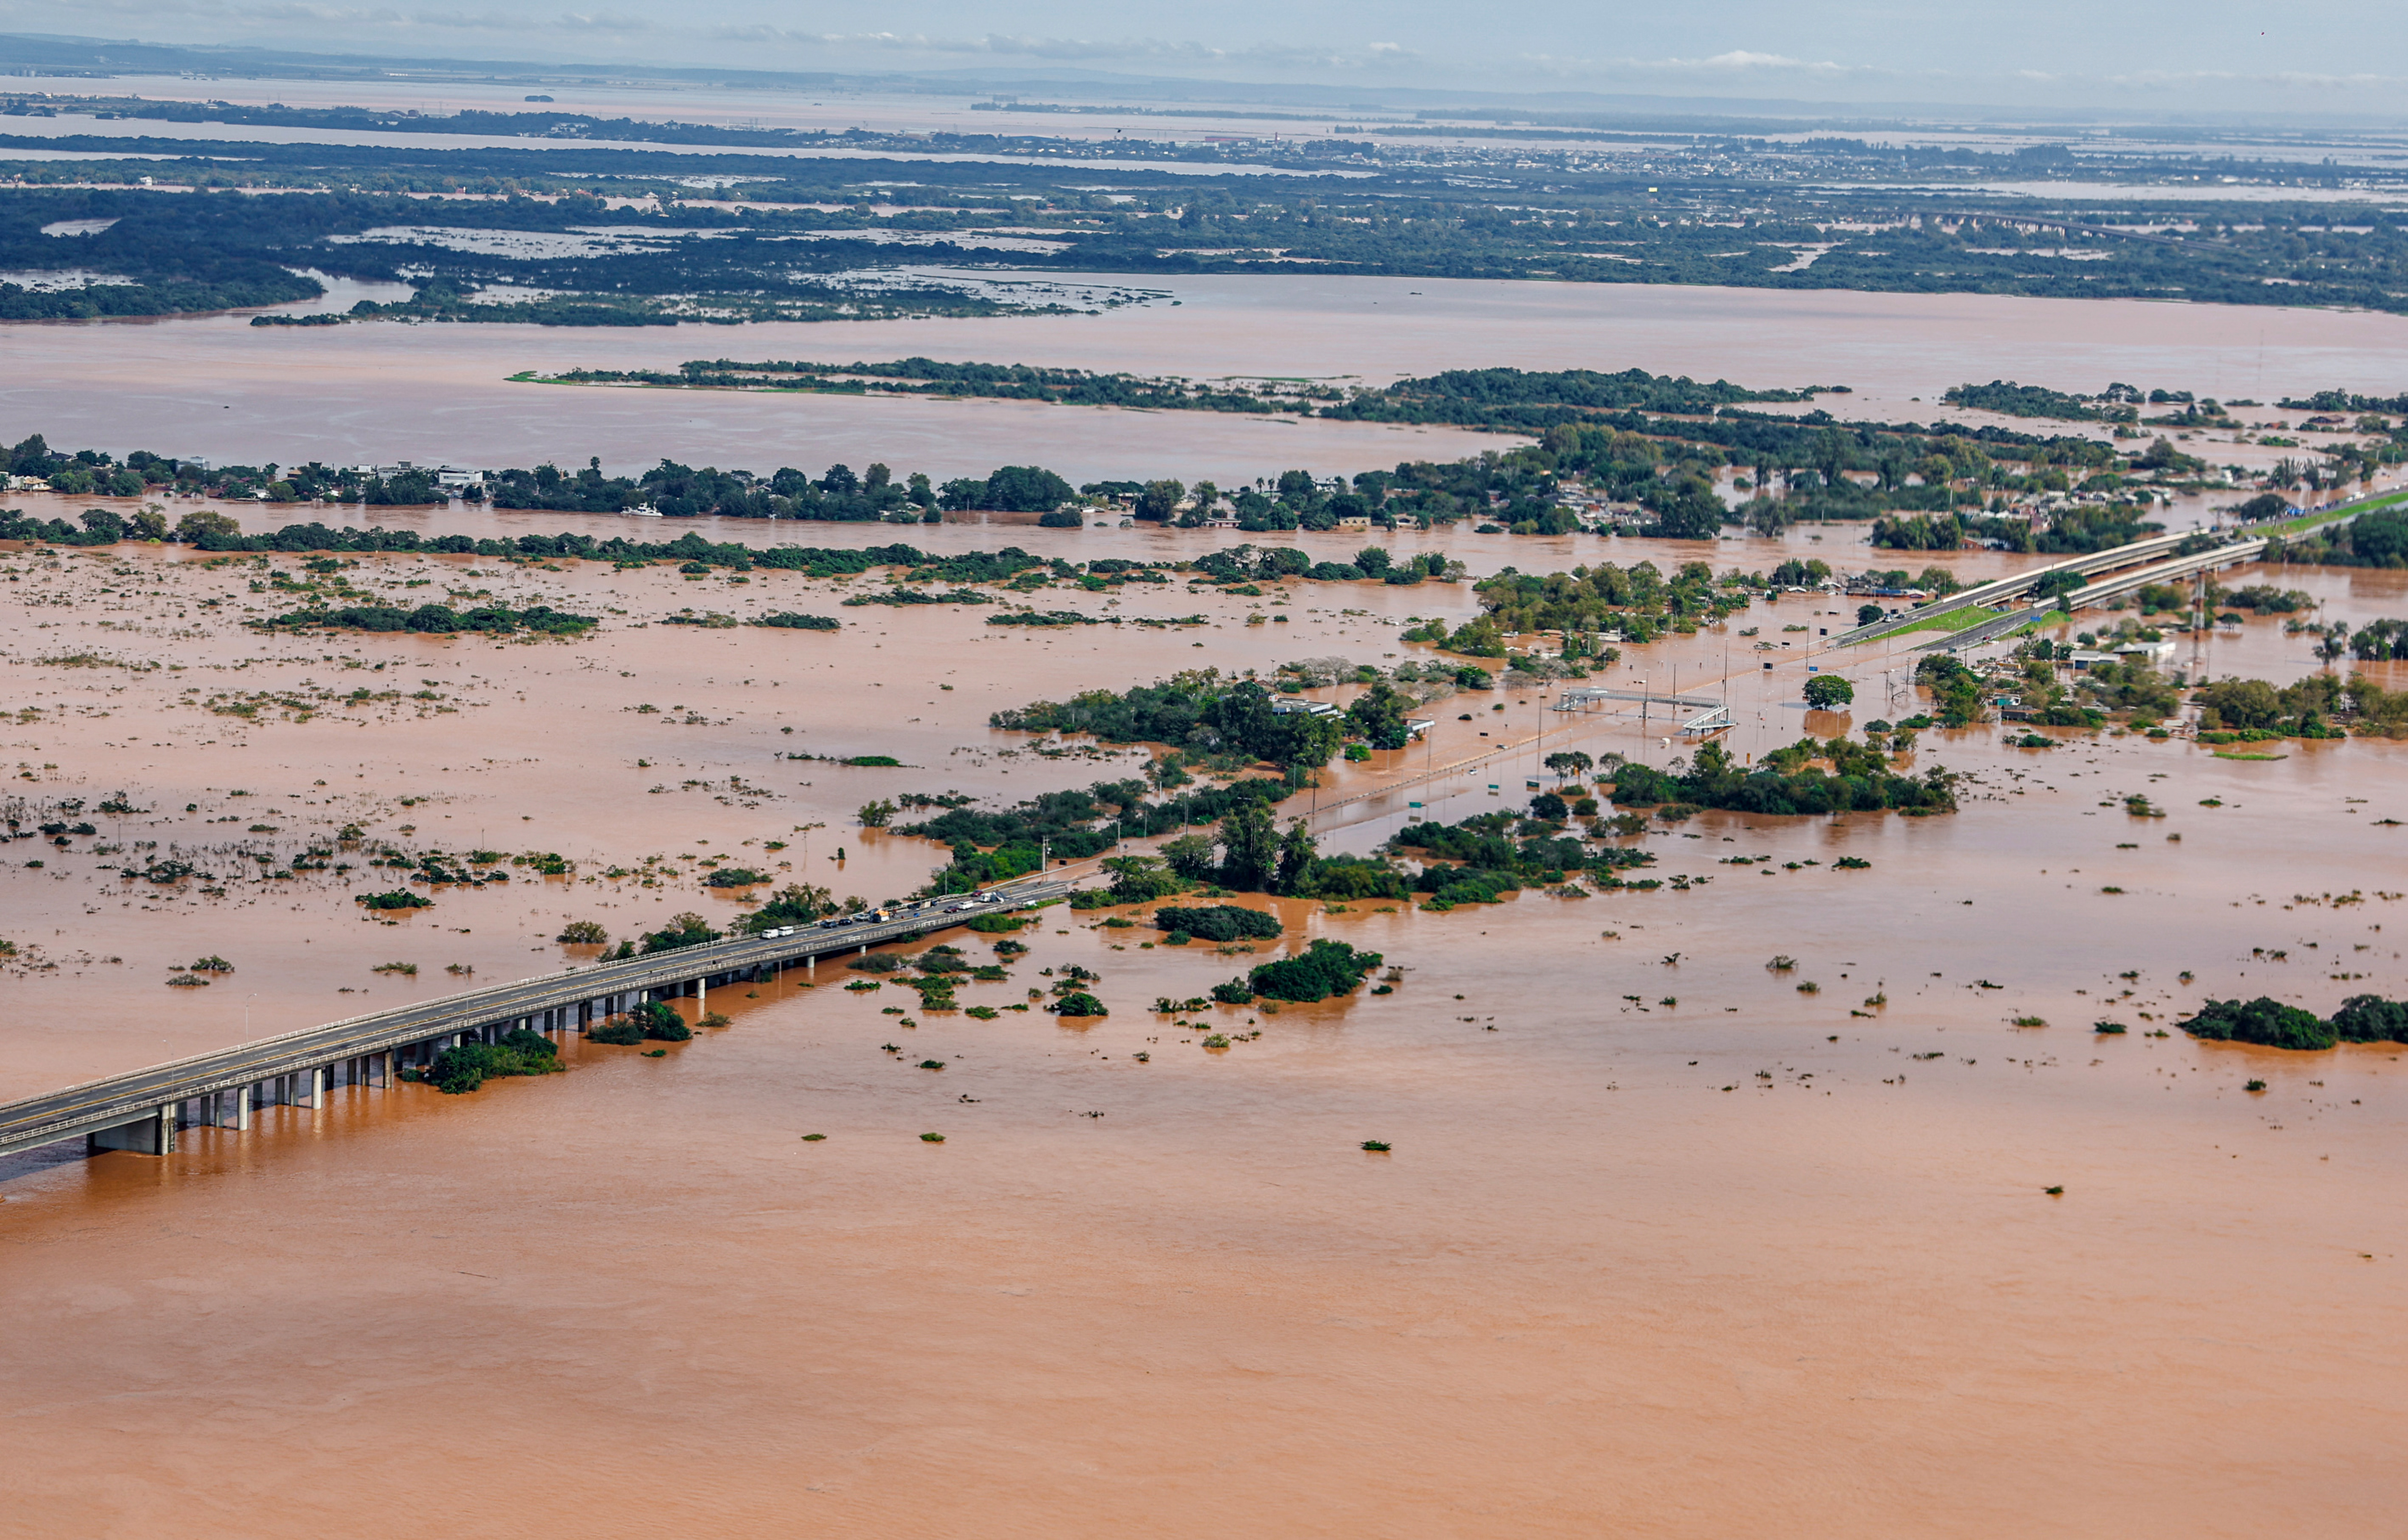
<point x="143" y="1108"/>
<point x="2115" y="570"/>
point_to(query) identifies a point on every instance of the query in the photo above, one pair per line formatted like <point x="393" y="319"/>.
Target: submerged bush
<point x="660" y="1021"/>
<point x="466" y="1067"/>
<point x="1219" y="922"/>
<point x="1323" y="969"/>
<point x="2362" y="1019"/>
<point x="2262" y="1021"/>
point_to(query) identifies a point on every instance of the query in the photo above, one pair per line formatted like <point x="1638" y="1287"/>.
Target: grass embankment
<point x="1948" y="620"/>
<point x="2309" y="522"/>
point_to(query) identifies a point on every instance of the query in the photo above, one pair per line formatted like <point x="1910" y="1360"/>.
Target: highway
<point x="2156" y="560"/>
<point x="563" y="1001"/>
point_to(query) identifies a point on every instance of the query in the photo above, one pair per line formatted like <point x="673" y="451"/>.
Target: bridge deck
<point x="2149" y="550"/>
<point x="120" y="1099"/>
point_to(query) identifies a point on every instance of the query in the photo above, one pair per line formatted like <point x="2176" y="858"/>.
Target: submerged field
<point x="1645" y="1194"/>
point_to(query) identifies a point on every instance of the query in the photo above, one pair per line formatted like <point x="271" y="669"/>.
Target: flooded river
<point x="1665" y="1245"/>
<point x="217" y="387"/>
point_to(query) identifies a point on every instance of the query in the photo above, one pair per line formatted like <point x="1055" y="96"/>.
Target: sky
<point x="2137" y="57"/>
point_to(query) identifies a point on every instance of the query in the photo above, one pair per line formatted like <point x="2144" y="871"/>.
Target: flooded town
<point x="1085" y="915"/>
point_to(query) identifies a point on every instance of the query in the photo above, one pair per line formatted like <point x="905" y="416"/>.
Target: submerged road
<point x="142" y="1109"/>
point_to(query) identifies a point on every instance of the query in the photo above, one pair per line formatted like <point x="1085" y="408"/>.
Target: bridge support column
<point x="227" y="1108"/>
<point x="309" y="1088"/>
<point x="152" y="1133"/>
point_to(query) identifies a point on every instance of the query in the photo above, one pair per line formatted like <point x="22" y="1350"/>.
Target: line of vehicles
<point x="969" y="902"/>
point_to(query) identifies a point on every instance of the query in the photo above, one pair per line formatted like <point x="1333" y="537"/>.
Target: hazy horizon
<point x="2342" y="58"/>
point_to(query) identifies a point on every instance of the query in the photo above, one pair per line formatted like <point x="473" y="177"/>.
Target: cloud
<point x="1083" y="49"/>
<point x="602" y="21"/>
<point x="1735" y="62"/>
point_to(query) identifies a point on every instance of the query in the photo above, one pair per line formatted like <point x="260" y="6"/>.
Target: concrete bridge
<point x="142" y="1110"/>
<point x="2117" y="570"/>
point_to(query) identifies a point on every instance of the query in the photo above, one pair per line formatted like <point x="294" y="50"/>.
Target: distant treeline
<point x="1506" y="399"/>
<point x="1357" y="207"/>
<point x="929" y="377"/>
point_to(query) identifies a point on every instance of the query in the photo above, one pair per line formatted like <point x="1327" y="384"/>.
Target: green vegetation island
<point x="1600" y="465"/>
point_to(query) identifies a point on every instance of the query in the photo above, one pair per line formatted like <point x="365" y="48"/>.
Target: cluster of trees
<point x="1323" y="969"/>
<point x="2311" y="707"/>
<point x="680" y="492"/>
<point x="1201" y="708"/>
<point x="2378" y="641"/>
<point x="437" y="619"/>
<point x="2269" y="1023"/>
<point x="928" y="376"/>
<point x="1790" y="782"/>
<point x="465" y="1066"/>
<point x="2377" y="538"/>
<point x="1536" y="400"/>
<point x="2067" y="531"/>
<point x="1638" y="600"/>
<point x="2009" y="399"/>
<point x="96" y="473"/>
<point x="1245" y="564"/>
<point x="652" y="1020"/>
<point x="1486" y="858"/>
<point x="1227" y="836"/>
<point x="1218" y="923"/>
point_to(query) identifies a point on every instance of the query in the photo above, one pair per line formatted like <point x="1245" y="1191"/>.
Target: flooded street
<point x="1665" y="1245"/>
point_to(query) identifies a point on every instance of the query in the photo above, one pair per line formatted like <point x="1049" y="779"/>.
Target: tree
<point x="1569" y="763"/>
<point x="1159" y="500"/>
<point x="1189" y="856"/>
<point x="1250" y="846"/>
<point x="1378" y="717"/>
<point x="1026" y="489"/>
<point x="1867" y="614"/>
<point x="194" y="525"/>
<point x="583" y="933"/>
<point x="683" y="930"/>
<point x="2056" y="585"/>
<point x="1825" y="691"/>
<point x="875" y="815"/>
<point x="1295" y="855"/>
<point x="795" y="904"/>
<point x="1137" y="880"/>
<point x="659" y="1020"/>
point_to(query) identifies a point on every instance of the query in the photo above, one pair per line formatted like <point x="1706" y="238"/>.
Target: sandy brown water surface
<point x="217" y="387"/>
<point x="1675" y="1249"/>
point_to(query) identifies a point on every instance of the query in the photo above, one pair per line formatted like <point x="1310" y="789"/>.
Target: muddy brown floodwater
<point x="216" y="386"/>
<point x="1664" y="1247"/>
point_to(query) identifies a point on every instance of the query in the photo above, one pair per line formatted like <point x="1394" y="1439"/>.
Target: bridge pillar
<point x="380" y="1069"/>
<point x="241" y="1095"/>
<point x="309" y="1088"/>
<point x="152" y="1133"/>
